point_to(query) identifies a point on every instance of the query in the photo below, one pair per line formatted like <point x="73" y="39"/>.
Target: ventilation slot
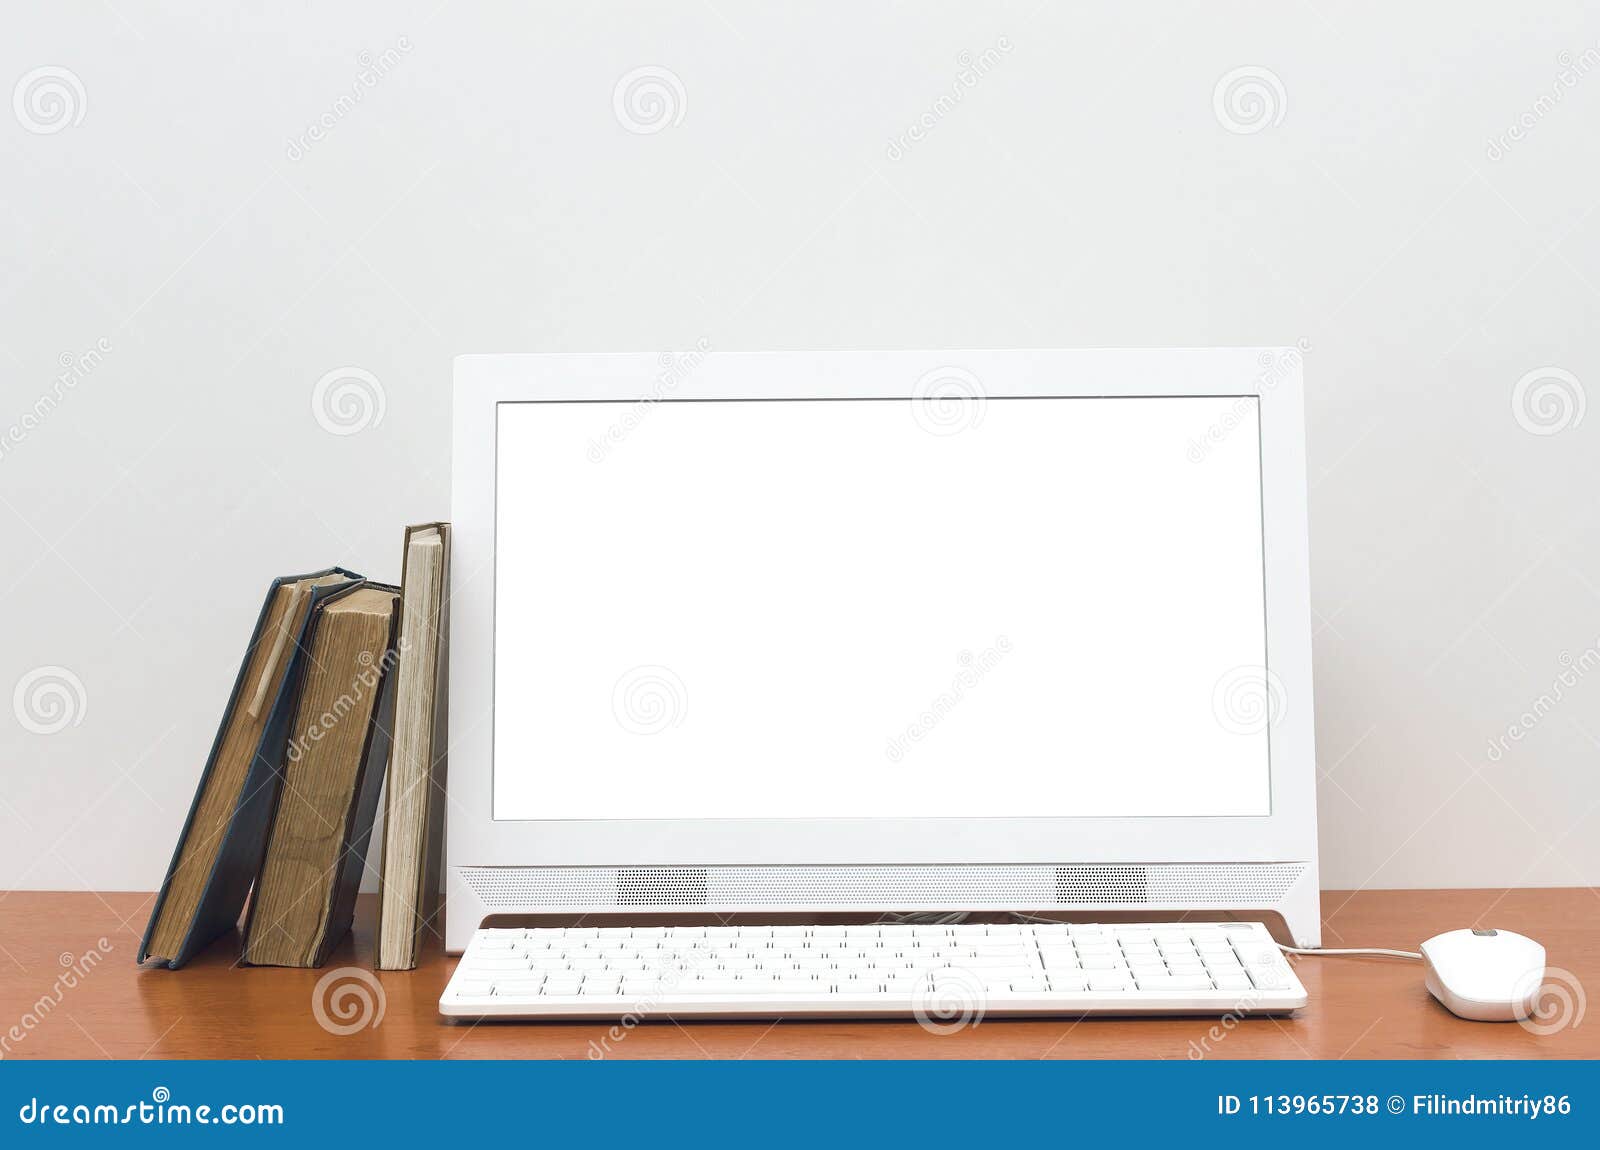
<point x="1102" y="885"/>
<point x="661" y="886"/>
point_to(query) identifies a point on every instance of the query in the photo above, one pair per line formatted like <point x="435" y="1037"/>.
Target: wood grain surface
<point x="55" y="1003"/>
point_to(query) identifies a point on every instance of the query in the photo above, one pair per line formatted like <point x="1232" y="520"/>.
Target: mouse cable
<point x="1377" y="950"/>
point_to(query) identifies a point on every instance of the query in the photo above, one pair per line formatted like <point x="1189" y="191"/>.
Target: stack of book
<point x="341" y="675"/>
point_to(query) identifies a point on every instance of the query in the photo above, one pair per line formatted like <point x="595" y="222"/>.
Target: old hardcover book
<point x="217" y="853"/>
<point x="413" y="822"/>
<point x="333" y="770"/>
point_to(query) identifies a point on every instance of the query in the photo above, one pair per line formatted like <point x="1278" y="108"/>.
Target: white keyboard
<point x="945" y="976"/>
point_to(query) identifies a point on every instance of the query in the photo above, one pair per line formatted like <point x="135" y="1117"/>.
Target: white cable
<point x="1378" y="950"/>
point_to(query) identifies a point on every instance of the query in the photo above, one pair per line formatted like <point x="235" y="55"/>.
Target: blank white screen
<point x="826" y="609"/>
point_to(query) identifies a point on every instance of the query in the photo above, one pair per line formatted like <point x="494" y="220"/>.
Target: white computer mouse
<point x="1484" y="975"/>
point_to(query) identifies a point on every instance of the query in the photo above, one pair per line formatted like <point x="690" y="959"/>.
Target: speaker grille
<point x="1103" y="885"/>
<point x="664" y="886"/>
<point x="734" y="888"/>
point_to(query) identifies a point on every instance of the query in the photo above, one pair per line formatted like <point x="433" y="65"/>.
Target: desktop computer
<point x="941" y="669"/>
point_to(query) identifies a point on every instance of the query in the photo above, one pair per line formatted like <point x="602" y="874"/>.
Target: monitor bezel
<point x="484" y="382"/>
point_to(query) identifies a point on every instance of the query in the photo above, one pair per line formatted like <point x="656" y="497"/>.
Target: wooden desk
<point x="1360" y="1007"/>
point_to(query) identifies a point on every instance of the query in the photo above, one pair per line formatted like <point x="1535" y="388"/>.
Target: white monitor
<point x="834" y="632"/>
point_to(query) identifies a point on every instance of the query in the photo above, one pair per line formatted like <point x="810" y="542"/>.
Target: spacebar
<point x="713" y="989"/>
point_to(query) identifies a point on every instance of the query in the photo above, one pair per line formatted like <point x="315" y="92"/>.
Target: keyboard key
<point x="489" y="962"/>
<point x="1016" y="986"/>
<point x="514" y="988"/>
<point x="734" y="986"/>
<point x="1266" y="978"/>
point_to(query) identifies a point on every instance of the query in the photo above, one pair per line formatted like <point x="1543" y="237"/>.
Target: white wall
<point x="484" y="195"/>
